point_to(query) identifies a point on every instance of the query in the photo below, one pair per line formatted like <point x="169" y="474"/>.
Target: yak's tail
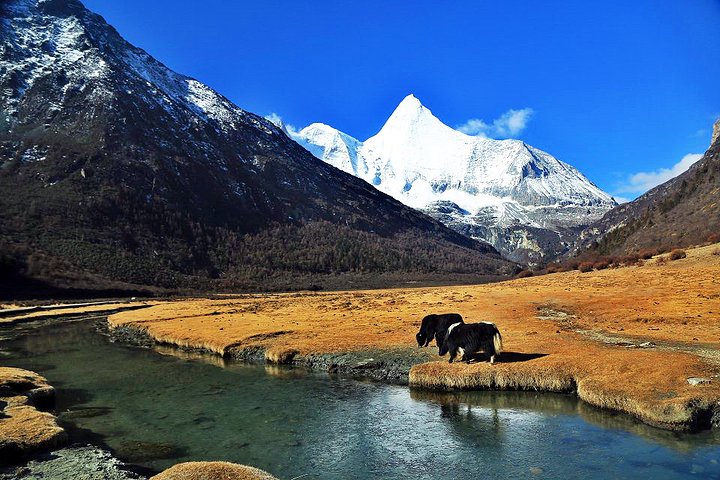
<point x="497" y="342"/>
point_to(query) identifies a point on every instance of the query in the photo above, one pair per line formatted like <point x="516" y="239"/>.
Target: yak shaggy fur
<point x="436" y="326"/>
<point x="469" y="338"/>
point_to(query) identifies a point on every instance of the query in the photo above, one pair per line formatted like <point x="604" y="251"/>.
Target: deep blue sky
<point x="616" y="87"/>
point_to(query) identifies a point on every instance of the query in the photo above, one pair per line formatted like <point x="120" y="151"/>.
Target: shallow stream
<point x="158" y="407"/>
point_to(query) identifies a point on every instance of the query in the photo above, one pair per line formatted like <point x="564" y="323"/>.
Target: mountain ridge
<point x="122" y="168"/>
<point x="678" y="213"/>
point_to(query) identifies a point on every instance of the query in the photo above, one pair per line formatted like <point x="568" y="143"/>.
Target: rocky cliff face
<point x="114" y="164"/>
<point x="520" y="199"/>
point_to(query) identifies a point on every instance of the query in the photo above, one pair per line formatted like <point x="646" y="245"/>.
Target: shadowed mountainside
<point x="116" y="172"/>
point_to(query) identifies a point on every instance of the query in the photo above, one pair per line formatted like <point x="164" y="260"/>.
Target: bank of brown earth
<point x="552" y="325"/>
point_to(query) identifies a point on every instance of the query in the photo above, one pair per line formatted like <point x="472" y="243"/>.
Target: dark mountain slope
<point x="112" y="164"/>
<point x="681" y="212"/>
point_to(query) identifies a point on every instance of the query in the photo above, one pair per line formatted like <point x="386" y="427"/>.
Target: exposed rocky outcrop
<point x="86" y="463"/>
<point x="519" y="242"/>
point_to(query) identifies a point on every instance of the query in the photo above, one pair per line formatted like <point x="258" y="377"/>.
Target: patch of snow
<point x="39" y="45"/>
<point x="34" y="154"/>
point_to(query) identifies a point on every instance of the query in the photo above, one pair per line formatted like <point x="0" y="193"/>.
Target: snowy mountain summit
<point x="524" y="201"/>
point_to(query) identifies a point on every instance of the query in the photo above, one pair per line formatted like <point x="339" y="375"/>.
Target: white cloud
<point x="275" y="118"/>
<point x="509" y="124"/>
<point x="278" y="122"/>
<point x="621" y="200"/>
<point x="641" y="182"/>
<point x="474" y="126"/>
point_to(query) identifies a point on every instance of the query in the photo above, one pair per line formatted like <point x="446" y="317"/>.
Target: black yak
<point x="469" y="338"/>
<point x="436" y="326"/>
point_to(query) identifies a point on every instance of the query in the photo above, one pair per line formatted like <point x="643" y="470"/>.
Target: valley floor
<point x="644" y="340"/>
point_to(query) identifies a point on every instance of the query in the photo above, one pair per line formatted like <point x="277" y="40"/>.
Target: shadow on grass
<point x="506" y="357"/>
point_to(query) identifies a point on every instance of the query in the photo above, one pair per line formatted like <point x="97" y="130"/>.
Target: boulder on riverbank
<point x="23" y="428"/>
<point x="79" y="463"/>
<point x="212" y="471"/>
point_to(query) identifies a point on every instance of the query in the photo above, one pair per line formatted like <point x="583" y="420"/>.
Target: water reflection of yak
<point x="479" y="425"/>
<point x="436" y="326"/>
<point x="469" y="338"/>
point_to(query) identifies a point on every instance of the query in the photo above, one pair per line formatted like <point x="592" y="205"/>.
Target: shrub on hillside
<point x="714" y="238"/>
<point x="716" y="251"/>
<point x="586" y="266"/>
<point x="615" y="262"/>
<point x="647" y="253"/>
<point x="571" y="265"/>
<point x="631" y="259"/>
<point x="601" y="264"/>
<point x="677" y="254"/>
<point x="553" y="268"/>
<point x="525" y="274"/>
<point x="661" y="261"/>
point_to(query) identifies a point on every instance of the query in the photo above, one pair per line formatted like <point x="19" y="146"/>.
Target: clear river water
<point x="159" y="407"/>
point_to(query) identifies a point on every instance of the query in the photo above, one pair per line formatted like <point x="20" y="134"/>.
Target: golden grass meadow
<point x="626" y="339"/>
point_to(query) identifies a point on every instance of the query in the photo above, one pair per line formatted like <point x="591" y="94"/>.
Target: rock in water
<point x="79" y="463"/>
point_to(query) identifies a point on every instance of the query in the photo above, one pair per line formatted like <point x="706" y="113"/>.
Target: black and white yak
<point x="436" y="326"/>
<point x="469" y="338"/>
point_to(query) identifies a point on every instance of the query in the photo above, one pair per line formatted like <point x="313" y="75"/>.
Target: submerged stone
<point x="139" y="451"/>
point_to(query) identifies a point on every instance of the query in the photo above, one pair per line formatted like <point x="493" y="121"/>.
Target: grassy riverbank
<point x="24" y="427"/>
<point x="17" y="314"/>
<point x="627" y="339"/>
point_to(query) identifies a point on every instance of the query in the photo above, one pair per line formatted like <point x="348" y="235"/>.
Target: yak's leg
<point x="490" y="349"/>
<point x="453" y="354"/>
<point x="465" y="355"/>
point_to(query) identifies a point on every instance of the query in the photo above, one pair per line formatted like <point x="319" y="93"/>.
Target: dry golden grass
<point x="567" y="317"/>
<point x="649" y="384"/>
<point x="26" y="429"/>
<point x="212" y="471"/>
<point x="23" y="428"/>
<point x="20" y="380"/>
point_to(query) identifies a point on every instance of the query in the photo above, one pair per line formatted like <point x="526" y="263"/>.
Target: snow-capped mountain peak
<point x="412" y="144"/>
<point x="422" y="162"/>
<point x="335" y="147"/>
<point x="411" y="117"/>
